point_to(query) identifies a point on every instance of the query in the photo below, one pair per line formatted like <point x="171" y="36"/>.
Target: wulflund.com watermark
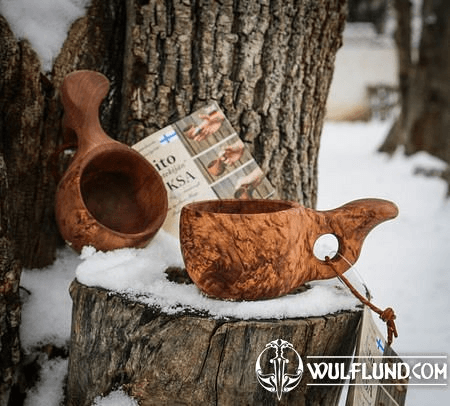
<point x="280" y="368"/>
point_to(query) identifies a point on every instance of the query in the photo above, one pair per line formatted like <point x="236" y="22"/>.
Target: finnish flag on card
<point x="168" y="137"/>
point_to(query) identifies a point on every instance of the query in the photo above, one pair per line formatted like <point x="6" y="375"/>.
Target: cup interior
<point x="123" y="192"/>
<point x="256" y="206"/>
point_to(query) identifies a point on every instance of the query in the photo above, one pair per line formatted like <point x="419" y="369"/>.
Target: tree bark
<point x="22" y="115"/>
<point x="190" y="359"/>
<point x="269" y="64"/>
<point x="10" y="307"/>
<point x="30" y="132"/>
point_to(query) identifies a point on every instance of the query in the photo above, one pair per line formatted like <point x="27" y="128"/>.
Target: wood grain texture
<point x="189" y="358"/>
<point x="245" y="250"/>
<point x="111" y="196"/>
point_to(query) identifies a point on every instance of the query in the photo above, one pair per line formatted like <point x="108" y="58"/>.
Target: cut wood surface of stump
<point x="190" y="358"/>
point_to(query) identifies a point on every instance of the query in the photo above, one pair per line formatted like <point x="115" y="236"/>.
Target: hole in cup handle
<point x="326" y="245"/>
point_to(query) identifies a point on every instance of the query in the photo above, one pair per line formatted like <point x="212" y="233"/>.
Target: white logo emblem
<point x="279" y="381"/>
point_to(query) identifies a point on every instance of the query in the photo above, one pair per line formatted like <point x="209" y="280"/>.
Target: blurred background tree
<point x="368" y="11"/>
<point x="424" y="120"/>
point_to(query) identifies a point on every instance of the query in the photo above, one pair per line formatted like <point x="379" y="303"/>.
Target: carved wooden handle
<point x="81" y="94"/>
<point x="351" y="223"/>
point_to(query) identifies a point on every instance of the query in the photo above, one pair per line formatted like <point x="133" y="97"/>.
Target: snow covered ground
<point x="404" y="262"/>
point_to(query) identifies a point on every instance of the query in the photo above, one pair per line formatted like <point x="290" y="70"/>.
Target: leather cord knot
<point x="387" y="315"/>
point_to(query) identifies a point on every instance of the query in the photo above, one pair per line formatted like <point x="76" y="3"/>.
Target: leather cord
<point x="387" y="315"/>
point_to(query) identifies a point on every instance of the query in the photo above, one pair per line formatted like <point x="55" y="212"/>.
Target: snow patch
<point x="115" y="398"/>
<point x="49" y="390"/>
<point x="47" y="307"/>
<point x="44" y="23"/>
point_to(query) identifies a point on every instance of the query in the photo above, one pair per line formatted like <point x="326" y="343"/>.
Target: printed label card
<point x="201" y="157"/>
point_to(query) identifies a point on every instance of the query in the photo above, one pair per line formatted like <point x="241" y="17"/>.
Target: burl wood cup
<point x="111" y="196"/>
<point x="260" y="249"/>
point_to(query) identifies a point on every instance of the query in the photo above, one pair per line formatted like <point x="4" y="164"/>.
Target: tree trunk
<point x="430" y="125"/>
<point x="10" y="308"/>
<point x="397" y="134"/>
<point x="424" y="122"/>
<point x="190" y="359"/>
<point x="269" y="64"/>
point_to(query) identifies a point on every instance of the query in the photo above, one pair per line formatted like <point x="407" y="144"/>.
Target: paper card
<point x="201" y="157"/>
<point x="371" y="349"/>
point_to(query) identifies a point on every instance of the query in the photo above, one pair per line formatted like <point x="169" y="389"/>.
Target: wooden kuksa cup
<point x="111" y="196"/>
<point x="259" y="249"/>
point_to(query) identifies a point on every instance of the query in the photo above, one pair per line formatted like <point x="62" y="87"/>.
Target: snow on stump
<point x="181" y="355"/>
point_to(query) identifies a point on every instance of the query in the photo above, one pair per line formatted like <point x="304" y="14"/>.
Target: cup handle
<point x="350" y="223"/>
<point x="81" y="94"/>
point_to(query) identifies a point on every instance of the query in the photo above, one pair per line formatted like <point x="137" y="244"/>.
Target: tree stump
<point x="190" y="358"/>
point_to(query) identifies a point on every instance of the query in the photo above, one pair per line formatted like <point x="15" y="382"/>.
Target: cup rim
<point x="237" y="207"/>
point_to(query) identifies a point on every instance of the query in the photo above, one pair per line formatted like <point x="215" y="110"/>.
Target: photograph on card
<point x="204" y="128"/>
<point x="223" y="158"/>
<point x="247" y="182"/>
